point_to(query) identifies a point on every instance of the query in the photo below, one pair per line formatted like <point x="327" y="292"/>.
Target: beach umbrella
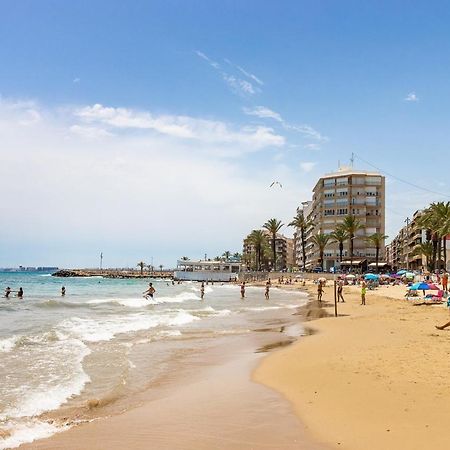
<point x="371" y="276"/>
<point x="350" y="276"/>
<point x="409" y="275"/>
<point x="422" y="286"/>
<point x="401" y="272"/>
<point x="385" y="275"/>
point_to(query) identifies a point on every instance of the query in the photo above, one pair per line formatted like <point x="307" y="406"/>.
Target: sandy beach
<point x="376" y="377"/>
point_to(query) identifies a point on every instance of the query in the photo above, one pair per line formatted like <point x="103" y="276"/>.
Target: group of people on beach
<point x="340" y="291"/>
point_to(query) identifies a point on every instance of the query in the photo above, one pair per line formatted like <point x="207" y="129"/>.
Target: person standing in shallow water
<point x="20" y="293"/>
<point x="7" y="292"/>
<point x="202" y="290"/>
<point x="63" y="291"/>
<point x="149" y="292"/>
<point x="243" y="289"/>
<point x="319" y="291"/>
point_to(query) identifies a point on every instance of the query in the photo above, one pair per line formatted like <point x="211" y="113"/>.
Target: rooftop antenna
<point x="352" y="160"/>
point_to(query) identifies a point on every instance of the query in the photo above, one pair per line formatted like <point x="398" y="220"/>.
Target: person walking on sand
<point x="340" y="288"/>
<point x="319" y="291"/>
<point x="63" y="291"/>
<point x="445" y="282"/>
<point x="150" y="291"/>
<point x="243" y="289"/>
<point x="20" y="293"/>
<point x="267" y="295"/>
<point x="363" y="292"/>
<point x="202" y="290"/>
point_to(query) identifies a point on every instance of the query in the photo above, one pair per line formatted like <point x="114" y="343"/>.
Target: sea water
<point x="103" y="340"/>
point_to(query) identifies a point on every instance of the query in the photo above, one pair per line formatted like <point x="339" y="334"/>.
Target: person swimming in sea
<point x="150" y="291"/>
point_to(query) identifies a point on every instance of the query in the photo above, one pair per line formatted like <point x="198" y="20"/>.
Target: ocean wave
<point x="32" y="400"/>
<point x="90" y="330"/>
<point x="51" y="303"/>
<point x="27" y="431"/>
<point x="179" y="298"/>
<point x="129" y="302"/>
<point x="6" y="345"/>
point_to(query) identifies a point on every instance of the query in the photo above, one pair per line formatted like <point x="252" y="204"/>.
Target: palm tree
<point x="434" y="219"/>
<point x="160" y="267"/>
<point x="425" y="249"/>
<point x="377" y="240"/>
<point x="150" y="268"/>
<point x="321" y="240"/>
<point x="351" y="225"/>
<point x="273" y="226"/>
<point x="302" y="224"/>
<point x="226" y="255"/>
<point x="257" y="238"/>
<point x="339" y="236"/>
<point x="141" y="265"/>
<point x="237" y="256"/>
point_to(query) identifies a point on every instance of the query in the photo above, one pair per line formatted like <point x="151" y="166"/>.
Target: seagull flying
<point x="275" y="183"/>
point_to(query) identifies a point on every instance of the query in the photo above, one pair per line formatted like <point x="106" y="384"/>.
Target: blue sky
<point x="153" y="129"/>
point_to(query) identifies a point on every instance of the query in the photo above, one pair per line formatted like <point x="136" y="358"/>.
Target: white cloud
<point x="89" y="132"/>
<point x="208" y="132"/>
<point x="135" y="193"/>
<point x="245" y="72"/>
<point x="307" y="166"/>
<point x="263" y="113"/>
<point x="266" y="113"/>
<point x="411" y="97"/>
<point x="236" y="84"/>
<point x="312" y="146"/>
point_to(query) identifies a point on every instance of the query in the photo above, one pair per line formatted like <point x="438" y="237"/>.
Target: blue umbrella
<point x="401" y="272"/>
<point x="371" y="276"/>
<point x="421" y="286"/>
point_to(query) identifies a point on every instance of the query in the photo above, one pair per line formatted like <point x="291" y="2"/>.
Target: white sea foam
<point x="6" y="345"/>
<point x="179" y="298"/>
<point x="90" y="330"/>
<point x="34" y="400"/>
<point x="28" y="431"/>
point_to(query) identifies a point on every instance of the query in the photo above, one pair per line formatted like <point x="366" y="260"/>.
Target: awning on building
<point x="380" y="264"/>
<point x="356" y="262"/>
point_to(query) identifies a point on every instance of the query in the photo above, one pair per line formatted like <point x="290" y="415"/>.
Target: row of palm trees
<point x="142" y="265"/>
<point x="436" y="220"/>
<point x="344" y="232"/>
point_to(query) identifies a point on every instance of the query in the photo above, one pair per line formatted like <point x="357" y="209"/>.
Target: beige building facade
<point x="335" y="196"/>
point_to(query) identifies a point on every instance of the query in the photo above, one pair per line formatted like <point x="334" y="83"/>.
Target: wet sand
<point x="376" y="377"/>
<point x="212" y="403"/>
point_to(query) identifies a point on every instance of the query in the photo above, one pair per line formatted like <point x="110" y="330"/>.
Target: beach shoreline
<point x="375" y="377"/>
<point x="226" y="409"/>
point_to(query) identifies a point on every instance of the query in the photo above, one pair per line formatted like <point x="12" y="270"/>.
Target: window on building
<point x="329" y="182"/>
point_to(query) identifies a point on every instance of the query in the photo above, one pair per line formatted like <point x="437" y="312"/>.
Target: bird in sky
<point x="274" y="183"/>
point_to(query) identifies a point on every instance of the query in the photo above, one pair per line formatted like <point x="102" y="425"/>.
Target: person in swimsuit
<point x="63" y="291"/>
<point x="319" y="291"/>
<point x="202" y="290"/>
<point x="243" y="289"/>
<point x="7" y="292"/>
<point x="20" y="293"/>
<point x="340" y="288"/>
<point x="150" y="291"/>
<point x="363" y="292"/>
